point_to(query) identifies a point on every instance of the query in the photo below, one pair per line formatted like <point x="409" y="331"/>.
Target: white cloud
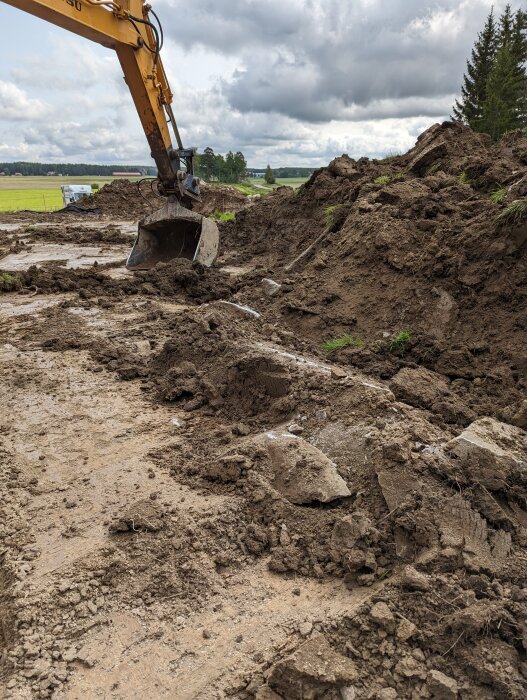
<point x="72" y="65"/>
<point x="16" y="105"/>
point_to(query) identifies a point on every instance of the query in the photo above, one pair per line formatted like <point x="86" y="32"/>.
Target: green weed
<point x="9" y="283"/>
<point x="499" y="195"/>
<point x="223" y="215"/>
<point x="343" y="342"/>
<point x="464" y="179"/>
<point x="389" y="157"/>
<point x="513" y="214"/>
<point x="434" y="168"/>
<point x="331" y="211"/>
<point x="400" y="342"/>
<point x="386" y="179"/>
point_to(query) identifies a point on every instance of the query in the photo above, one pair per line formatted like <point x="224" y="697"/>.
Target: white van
<point x="72" y="193"/>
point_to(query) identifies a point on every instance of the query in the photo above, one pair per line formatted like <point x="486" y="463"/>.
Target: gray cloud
<point x="318" y="60"/>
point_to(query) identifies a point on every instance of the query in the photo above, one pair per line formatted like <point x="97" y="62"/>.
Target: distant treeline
<point x="73" y="169"/>
<point x="286" y="172"/>
<point x="209" y="165"/>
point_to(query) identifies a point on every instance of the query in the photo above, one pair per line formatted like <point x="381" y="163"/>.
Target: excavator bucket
<point x="174" y="232"/>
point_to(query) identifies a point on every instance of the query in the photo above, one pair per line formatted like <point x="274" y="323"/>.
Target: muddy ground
<point x="201" y="500"/>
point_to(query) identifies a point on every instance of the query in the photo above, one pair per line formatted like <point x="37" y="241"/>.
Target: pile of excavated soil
<point x="130" y="200"/>
<point x="123" y="199"/>
<point x="413" y="244"/>
<point x="221" y="198"/>
<point x="391" y="472"/>
<point x="178" y="276"/>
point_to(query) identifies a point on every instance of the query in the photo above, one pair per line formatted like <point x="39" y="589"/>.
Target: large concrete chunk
<point x="490" y="453"/>
<point x="312" y="671"/>
<point x="302" y="473"/>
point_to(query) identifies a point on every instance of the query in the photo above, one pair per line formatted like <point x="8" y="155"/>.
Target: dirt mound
<point x="389" y="488"/>
<point x="196" y="283"/>
<point x="78" y="234"/>
<point x="221" y="198"/>
<point x="416" y="268"/>
<point x="123" y="199"/>
<point x="130" y="200"/>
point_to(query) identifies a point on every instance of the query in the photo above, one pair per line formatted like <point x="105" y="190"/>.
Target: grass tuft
<point x="389" y="157"/>
<point x="386" y="179"/>
<point x="434" y="168"/>
<point x="343" y="342"/>
<point x="400" y="342"/>
<point x="9" y="282"/>
<point x="514" y="213"/>
<point x="223" y="215"/>
<point x="329" y="212"/>
<point x="464" y="179"/>
<point x="499" y="195"/>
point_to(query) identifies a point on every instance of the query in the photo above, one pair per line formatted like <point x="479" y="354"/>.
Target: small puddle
<point x="4" y="228"/>
<point x="24" y="307"/>
<point x="236" y="271"/>
<point x="71" y="256"/>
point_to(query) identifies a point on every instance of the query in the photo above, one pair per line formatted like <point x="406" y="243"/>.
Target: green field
<point x="36" y="200"/>
<point x="40" y="193"/>
<point x="43" y="193"/>
<point x="257" y="185"/>
<point x="49" y="183"/>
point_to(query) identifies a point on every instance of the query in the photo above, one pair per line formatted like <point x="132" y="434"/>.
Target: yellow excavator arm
<point x="126" y="27"/>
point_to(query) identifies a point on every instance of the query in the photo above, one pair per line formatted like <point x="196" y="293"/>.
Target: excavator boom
<point x="126" y="27"/>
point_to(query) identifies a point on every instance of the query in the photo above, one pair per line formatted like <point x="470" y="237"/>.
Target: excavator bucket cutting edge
<point x="174" y="232"/>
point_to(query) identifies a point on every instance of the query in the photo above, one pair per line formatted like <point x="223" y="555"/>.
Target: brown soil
<point x="125" y="199"/>
<point x="198" y="501"/>
<point x="422" y="253"/>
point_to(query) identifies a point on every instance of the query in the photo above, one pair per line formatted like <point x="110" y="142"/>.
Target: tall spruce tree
<point x="506" y="27"/>
<point x="474" y="89"/>
<point x="494" y="91"/>
<point x="505" y="108"/>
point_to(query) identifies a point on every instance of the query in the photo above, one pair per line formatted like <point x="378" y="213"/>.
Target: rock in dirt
<point x="423" y="388"/>
<point x="520" y="417"/>
<point x="142" y="516"/>
<point x="491" y="453"/>
<point x="314" y="669"/>
<point x="387" y="694"/>
<point x="414" y="580"/>
<point x="270" y="287"/>
<point x="383" y="616"/>
<point x="301" y="472"/>
<point x="228" y="468"/>
<point x="442" y="687"/>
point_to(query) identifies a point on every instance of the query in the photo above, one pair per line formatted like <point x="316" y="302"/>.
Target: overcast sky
<point x="288" y="82"/>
